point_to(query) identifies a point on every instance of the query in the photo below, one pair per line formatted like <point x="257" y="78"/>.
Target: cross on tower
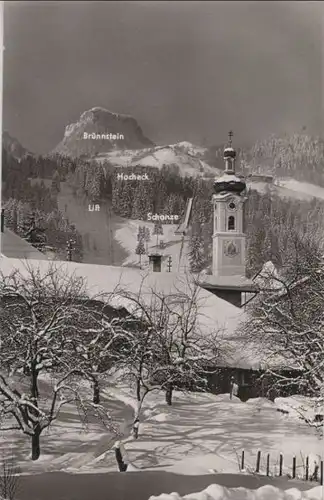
<point x="230" y="135"/>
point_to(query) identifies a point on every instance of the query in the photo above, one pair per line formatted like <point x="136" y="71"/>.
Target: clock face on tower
<point x="231" y="206"/>
<point x="230" y="249"/>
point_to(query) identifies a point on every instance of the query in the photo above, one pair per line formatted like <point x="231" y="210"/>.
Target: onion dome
<point x="229" y="153"/>
<point x="229" y="183"/>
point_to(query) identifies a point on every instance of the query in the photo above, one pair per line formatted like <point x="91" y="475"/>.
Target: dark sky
<point x="184" y="70"/>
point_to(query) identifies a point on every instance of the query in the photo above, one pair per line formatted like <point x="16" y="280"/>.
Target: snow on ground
<point x="216" y="492"/>
<point x="185" y="155"/>
<point x="199" y="434"/>
<point x="204" y="433"/>
<point x="300" y="407"/>
<point x="70" y="443"/>
<point x="302" y="188"/>
<point x="288" y="188"/>
<point x="126" y="236"/>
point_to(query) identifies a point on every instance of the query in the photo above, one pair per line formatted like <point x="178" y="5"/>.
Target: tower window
<point x="231" y="223"/>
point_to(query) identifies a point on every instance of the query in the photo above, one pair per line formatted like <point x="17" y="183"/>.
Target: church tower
<point x="228" y="277"/>
<point x="228" y="207"/>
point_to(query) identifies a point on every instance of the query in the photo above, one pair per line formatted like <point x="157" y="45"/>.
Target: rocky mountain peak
<point x="99" y="130"/>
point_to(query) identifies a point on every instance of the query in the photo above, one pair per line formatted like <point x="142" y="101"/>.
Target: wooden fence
<point x="316" y="475"/>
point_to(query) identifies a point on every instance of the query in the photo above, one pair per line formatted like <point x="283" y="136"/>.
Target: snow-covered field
<point x="199" y="434"/>
<point x="204" y="433"/>
<point x="216" y="492"/>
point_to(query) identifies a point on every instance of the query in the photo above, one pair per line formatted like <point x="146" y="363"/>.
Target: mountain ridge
<point x="186" y="157"/>
<point x="13" y="147"/>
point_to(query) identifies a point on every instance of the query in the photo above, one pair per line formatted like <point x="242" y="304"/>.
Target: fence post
<point x="242" y="460"/>
<point x="321" y="474"/>
<point x="268" y="464"/>
<point x="307" y="468"/>
<point x="294" y="468"/>
<point x="258" y="462"/>
<point x="280" y="464"/>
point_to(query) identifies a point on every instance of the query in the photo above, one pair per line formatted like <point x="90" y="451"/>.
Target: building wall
<point x="250" y="385"/>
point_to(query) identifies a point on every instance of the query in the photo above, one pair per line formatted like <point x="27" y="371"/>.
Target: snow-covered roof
<point x="14" y="246"/>
<point x="268" y="278"/>
<point x="215" y="314"/>
<point x="106" y="279"/>
<point x="227" y="178"/>
<point x="227" y="281"/>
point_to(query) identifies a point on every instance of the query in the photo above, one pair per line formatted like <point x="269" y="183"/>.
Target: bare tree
<point x="40" y="316"/>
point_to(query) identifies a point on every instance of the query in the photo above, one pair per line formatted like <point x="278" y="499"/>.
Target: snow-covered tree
<point x="94" y="181"/>
<point x="287" y="318"/>
<point x="94" y="345"/>
<point x="56" y="182"/>
<point x="141" y="233"/>
<point x="140" y="250"/>
<point x="41" y="313"/>
<point x="186" y="354"/>
<point x="158" y="230"/>
<point x="147" y="237"/>
<point x="196" y="250"/>
<point x="174" y="352"/>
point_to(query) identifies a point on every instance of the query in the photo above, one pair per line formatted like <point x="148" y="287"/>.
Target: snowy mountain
<point x="12" y="146"/>
<point x="99" y="130"/>
<point x="184" y="155"/>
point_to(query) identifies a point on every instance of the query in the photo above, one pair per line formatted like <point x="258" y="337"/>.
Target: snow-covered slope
<point x="126" y="235"/>
<point x="301" y="190"/>
<point x="184" y="155"/>
<point x="287" y="188"/>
